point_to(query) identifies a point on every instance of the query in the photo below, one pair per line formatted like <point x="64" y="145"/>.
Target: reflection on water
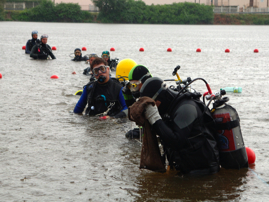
<point x="226" y="185"/>
<point x="50" y="154"/>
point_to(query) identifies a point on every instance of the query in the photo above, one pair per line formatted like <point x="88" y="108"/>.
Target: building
<point x="240" y="3"/>
<point x="84" y="4"/>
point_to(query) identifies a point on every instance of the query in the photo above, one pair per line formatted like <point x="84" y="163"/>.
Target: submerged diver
<point x="31" y="42"/>
<point x="78" y="56"/>
<point x="87" y="71"/>
<point x="111" y="63"/>
<point x="137" y="76"/>
<point x="179" y="121"/>
<point x="42" y="50"/>
<point x="103" y="96"/>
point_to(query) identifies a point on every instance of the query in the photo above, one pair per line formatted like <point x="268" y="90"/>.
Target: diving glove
<point x="152" y="114"/>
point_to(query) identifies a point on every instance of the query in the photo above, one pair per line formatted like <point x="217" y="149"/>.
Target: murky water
<point x="49" y="154"/>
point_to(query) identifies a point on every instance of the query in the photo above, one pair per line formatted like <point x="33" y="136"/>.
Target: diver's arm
<point x="122" y="113"/>
<point x="172" y="139"/>
<point x="122" y="101"/>
<point x="84" y="58"/>
<point x="33" y="53"/>
<point x="81" y="104"/>
<point x="182" y="123"/>
<point x="27" y="49"/>
<point x="50" y="52"/>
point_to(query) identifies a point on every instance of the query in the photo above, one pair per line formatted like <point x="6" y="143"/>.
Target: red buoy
<point x="112" y="49"/>
<point x="198" y="50"/>
<point x="74" y="73"/>
<point x="54" y="77"/>
<point x="103" y="117"/>
<point x="23" y="47"/>
<point x="141" y="49"/>
<point x="251" y="156"/>
<point x="53" y="48"/>
<point x="256" y="50"/>
<point x="0" y="76"/>
<point x="227" y="50"/>
<point x="84" y="49"/>
<point x="169" y="49"/>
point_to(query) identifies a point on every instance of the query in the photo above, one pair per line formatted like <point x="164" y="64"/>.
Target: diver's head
<point x="77" y="52"/>
<point x="92" y="57"/>
<point x="44" y="38"/>
<point x="34" y="34"/>
<point x="137" y="76"/>
<point x="105" y="55"/>
<point x="156" y="89"/>
<point x="100" y="70"/>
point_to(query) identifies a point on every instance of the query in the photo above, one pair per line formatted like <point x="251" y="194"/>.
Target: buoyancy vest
<point x="32" y="42"/>
<point x="44" y="48"/>
<point x="202" y="152"/>
<point x="100" y="97"/>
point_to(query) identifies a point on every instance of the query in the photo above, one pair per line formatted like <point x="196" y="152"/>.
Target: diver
<point x="31" y="42"/>
<point x="42" y="50"/>
<point x="103" y="96"/>
<point x="137" y="76"/>
<point x="179" y="120"/>
<point x="87" y="71"/>
<point x="111" y="63"/>
<point x="78" y="56"/>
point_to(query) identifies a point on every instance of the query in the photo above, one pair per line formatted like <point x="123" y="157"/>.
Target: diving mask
<point x="102" y="68"/>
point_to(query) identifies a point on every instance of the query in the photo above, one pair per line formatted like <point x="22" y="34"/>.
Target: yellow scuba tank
<point x="123" y="68"/>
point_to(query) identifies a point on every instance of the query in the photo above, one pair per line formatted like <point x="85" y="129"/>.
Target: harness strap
<point x="227" y="126"/>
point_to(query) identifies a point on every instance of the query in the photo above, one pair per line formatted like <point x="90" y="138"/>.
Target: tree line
<point x="118" y="11"/>
<point x="131" y="11"/>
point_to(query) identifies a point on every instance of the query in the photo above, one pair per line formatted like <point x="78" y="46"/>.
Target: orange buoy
<point x="84" y="49"/>
<point x="227" y="50"/>
<point x="54" y="77"/>
<point x="198" y="50"/>
<point x="1" y="76"/>
<point x="256" y="50"/>
<point x="112" y="49"/>
<point x="53" y="48"/>
<point x="23" y="47"/>
<point x="141" y="49"/>
<point x="74" y="73"/>
<point x="169" y="49"/>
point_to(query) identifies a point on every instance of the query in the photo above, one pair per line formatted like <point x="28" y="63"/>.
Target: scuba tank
<point x="229" y="136"/>
<point x="224" y="123"/>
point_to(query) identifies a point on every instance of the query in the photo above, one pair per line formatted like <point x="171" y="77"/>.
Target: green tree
<point x="111" y="10"/>
<point x="46" y="11"/>
<point x="2" y="13"/>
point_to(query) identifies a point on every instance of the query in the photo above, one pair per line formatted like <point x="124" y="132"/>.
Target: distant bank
<point x="134" y="12"/>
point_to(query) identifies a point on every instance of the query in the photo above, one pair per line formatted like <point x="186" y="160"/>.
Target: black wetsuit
<point x="112" y="63"/>
<point x="42" y="51"/>
<point x="30" y="44"/>
<point x="100" y="96"/>
<point x="188" y="143"/>
<point x="80" y="58"/>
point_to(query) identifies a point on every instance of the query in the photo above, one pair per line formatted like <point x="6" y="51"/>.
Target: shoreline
<point x="219" y="19"/>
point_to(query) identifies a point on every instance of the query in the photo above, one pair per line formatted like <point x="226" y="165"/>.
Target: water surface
<point x="49" y="154"/>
